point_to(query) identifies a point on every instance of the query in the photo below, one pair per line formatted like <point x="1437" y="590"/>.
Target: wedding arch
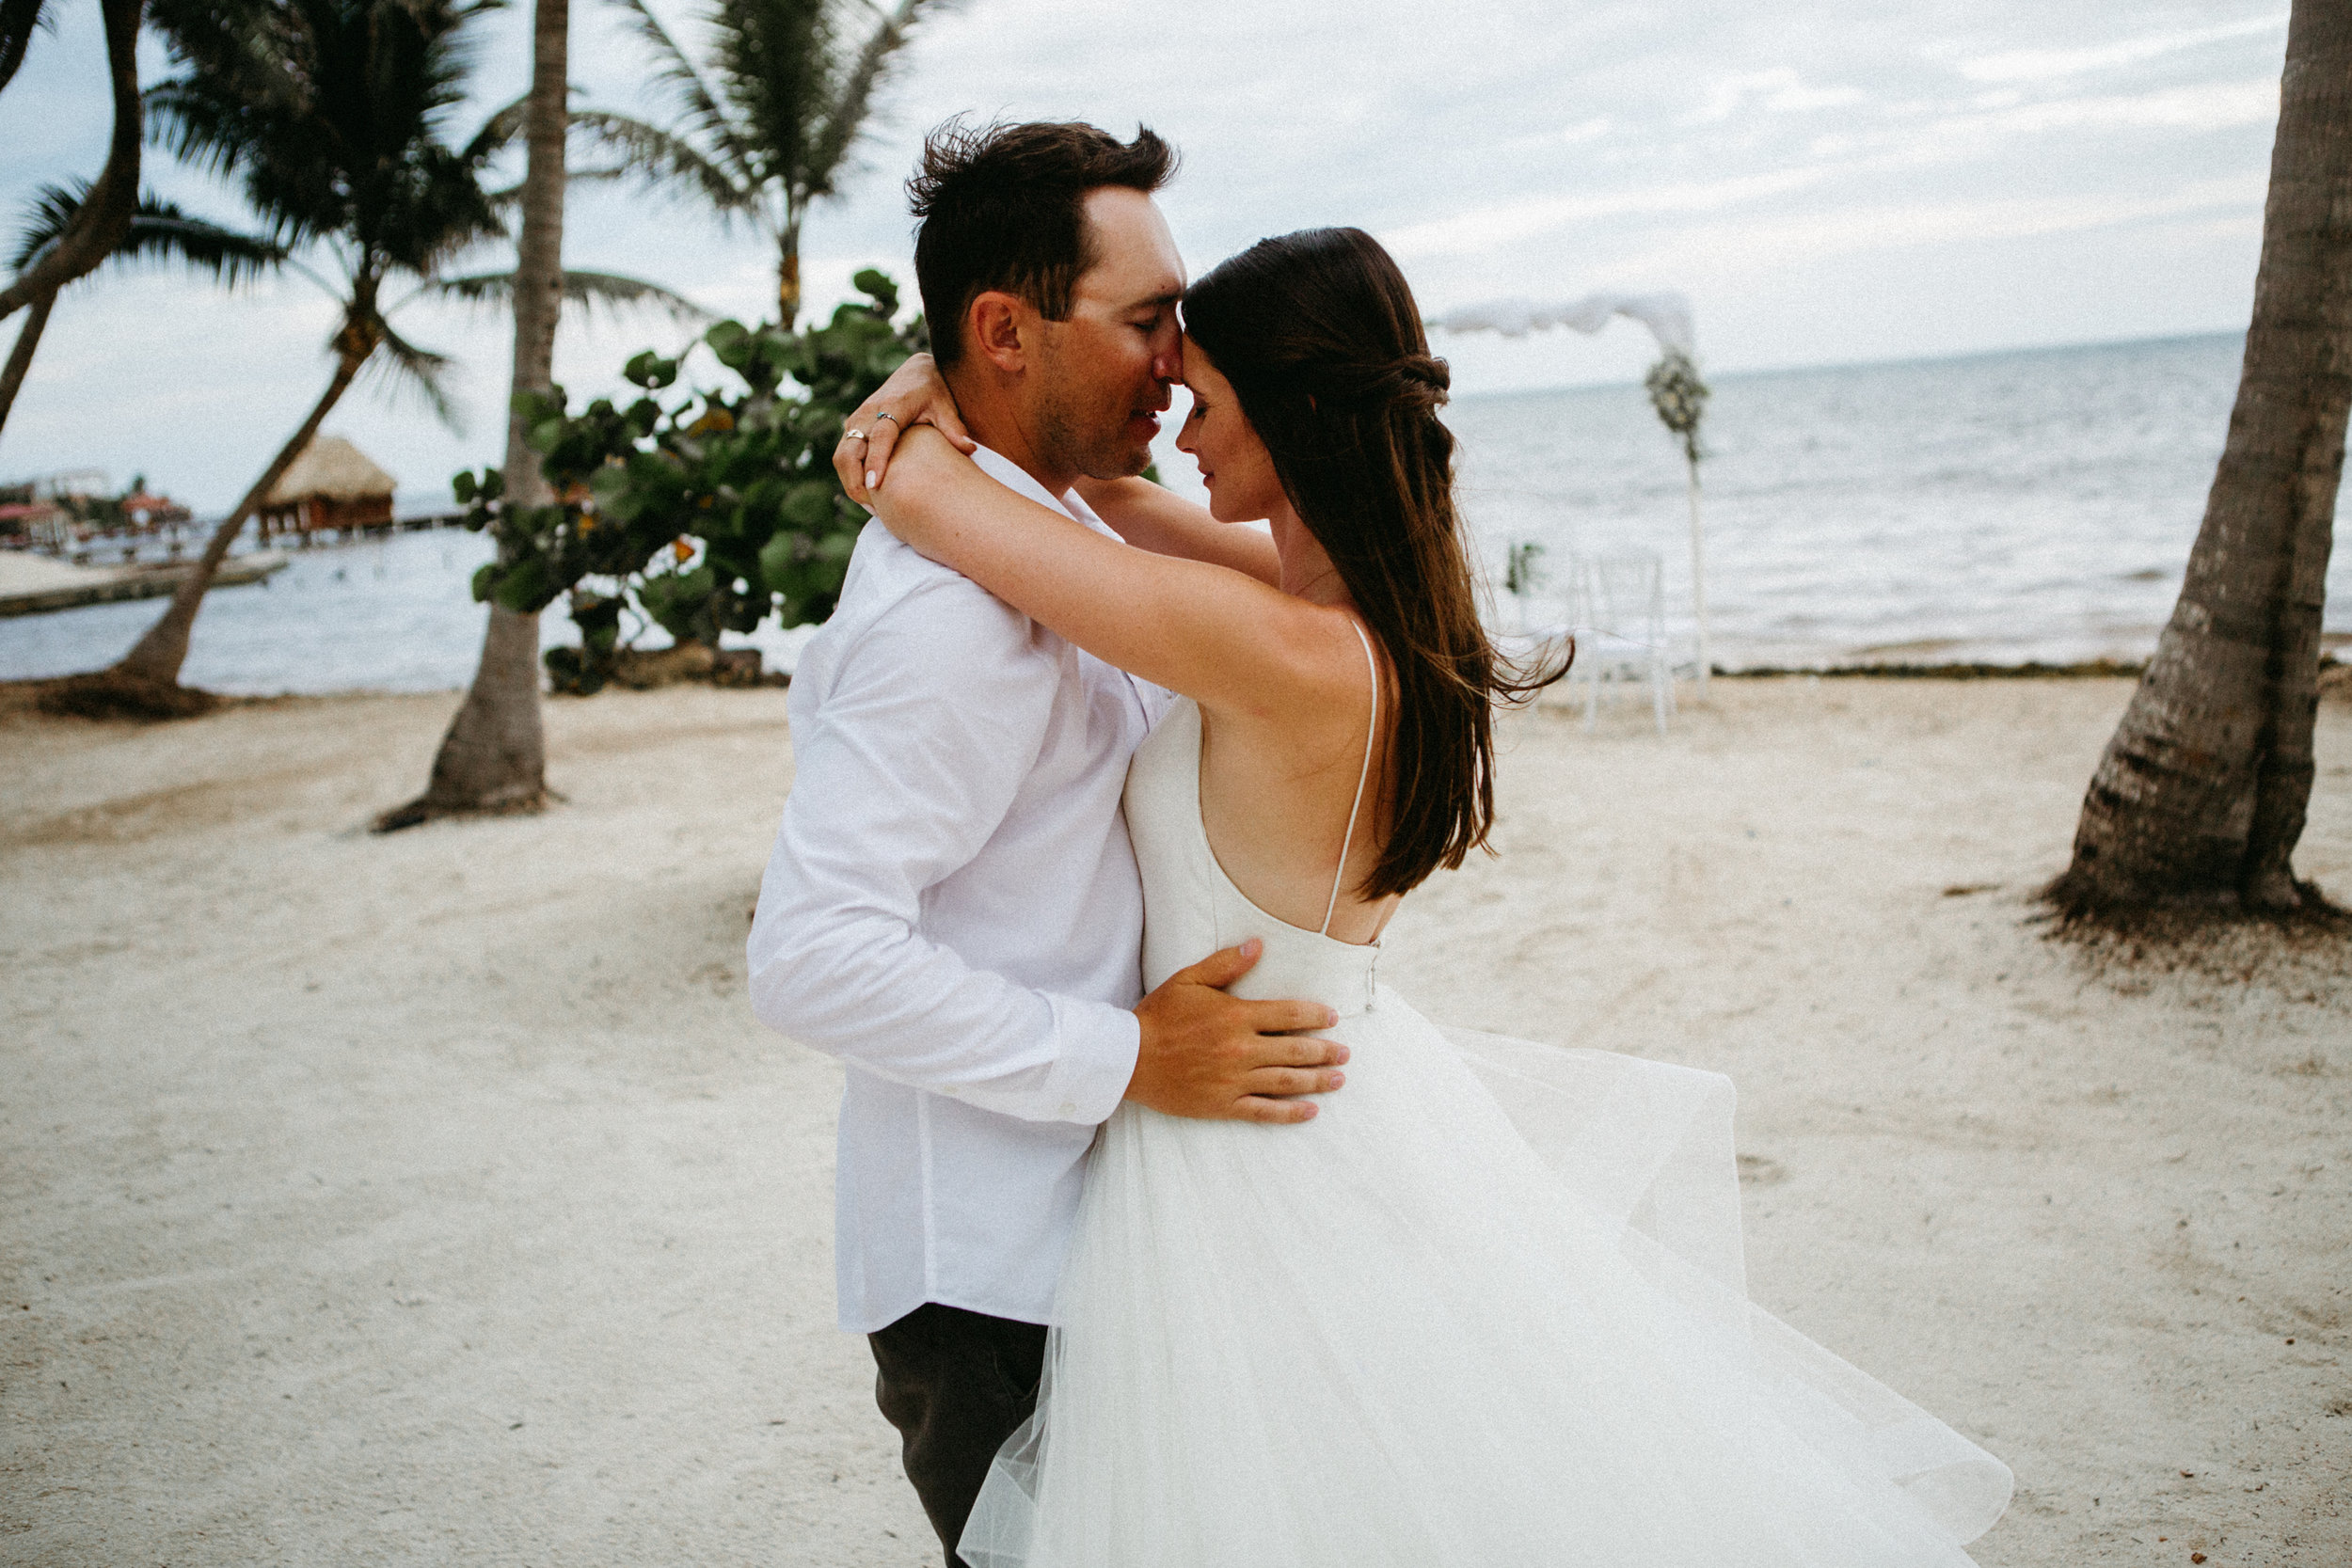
<point x="1675" y="387"/>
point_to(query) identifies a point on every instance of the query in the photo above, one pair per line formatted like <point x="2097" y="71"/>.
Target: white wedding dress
<point x="1486" y="1309"/>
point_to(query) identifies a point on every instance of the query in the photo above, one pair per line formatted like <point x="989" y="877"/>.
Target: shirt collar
<point x="1013" y="477"/>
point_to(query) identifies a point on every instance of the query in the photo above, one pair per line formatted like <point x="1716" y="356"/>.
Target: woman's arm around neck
<point x="1215" y="633"/>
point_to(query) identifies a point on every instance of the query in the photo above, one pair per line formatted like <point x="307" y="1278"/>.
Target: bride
<point x="1486" y="1307"/>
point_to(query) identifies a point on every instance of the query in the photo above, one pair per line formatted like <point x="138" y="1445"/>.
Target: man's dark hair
<point x="1002" y="207"/>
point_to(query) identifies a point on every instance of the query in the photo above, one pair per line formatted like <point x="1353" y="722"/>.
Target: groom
<point x="953" y="907"/>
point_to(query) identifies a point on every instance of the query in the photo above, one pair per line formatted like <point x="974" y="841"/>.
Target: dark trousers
<point x="956" y="1384"/>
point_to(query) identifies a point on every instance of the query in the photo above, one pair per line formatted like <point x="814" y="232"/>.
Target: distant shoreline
<point x="23" y="695"/>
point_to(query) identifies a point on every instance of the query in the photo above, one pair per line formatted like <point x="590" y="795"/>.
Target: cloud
<point x="1997" y="118"/>
<point x="1753" y="247"/>
<point x="2204" y="106"/>
<point x="1522" y="147"/>
<point x="1780" y="91"/>
<point x="2040" y="65"/>
<point x="1470" y="232"/>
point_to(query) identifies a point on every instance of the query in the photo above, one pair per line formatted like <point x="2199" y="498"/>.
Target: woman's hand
<point x="915" y="394"/>
<point x="916" y="497"/>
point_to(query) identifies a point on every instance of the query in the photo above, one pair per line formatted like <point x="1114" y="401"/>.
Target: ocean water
<point x="2001" y="508"/>
<point x="394" y="613"/>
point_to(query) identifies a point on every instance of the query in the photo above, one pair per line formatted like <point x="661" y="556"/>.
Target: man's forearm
<point x="875" y="994"/>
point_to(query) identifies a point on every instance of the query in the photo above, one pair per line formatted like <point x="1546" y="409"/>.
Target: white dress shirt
<point x="952" y="910"/>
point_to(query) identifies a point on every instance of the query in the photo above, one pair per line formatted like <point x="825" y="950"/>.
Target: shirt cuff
<point x="1096" y="1063"/>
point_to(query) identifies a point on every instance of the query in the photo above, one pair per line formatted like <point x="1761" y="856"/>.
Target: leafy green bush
<point x="710" y="515"/>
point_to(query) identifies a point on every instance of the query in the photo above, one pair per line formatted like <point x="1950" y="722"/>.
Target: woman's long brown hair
<point x="1320" y="337"/>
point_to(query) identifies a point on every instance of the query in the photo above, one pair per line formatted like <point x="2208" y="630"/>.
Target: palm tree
<point x="18" y="20"/>
<point x="2200" y="797"/>
<point x="159" y="231"/>
<point x="101" y="220"/>
<point x="793" y="108"/>
<point x="768" y="121"/>
<point x="331" y="113"/>
<point x="494" y="755"/>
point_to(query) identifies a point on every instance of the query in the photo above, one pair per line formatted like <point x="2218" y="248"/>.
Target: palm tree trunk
<point x="788" y="278"/>
<point x="494" y="757"/>
<point x="2201" y="794"/>
<point x="105" y="216"/>
<point x="158" y="655"/>
<point x="21" y="357"/>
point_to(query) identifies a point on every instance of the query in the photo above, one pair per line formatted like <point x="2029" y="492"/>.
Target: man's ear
<point x="997" y="322"/>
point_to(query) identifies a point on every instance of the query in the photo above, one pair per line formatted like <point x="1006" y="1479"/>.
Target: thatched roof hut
<point x="330" y="469"/>
<point x="333" y="485"/>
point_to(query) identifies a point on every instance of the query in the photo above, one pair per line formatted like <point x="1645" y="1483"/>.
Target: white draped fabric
<point x="1667" y="315"/>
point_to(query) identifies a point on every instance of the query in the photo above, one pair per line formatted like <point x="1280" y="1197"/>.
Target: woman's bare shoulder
<point x="1319" y="668"/>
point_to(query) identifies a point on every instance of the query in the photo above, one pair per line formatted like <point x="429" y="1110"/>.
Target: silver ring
<point x="886" y="414"/>
<point x="854" y="436"/>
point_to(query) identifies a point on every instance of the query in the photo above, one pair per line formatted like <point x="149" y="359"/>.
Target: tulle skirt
<point x="1486" y="1308"/>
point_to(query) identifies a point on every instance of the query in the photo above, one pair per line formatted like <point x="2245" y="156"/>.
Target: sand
<point x="436" y="1198"/>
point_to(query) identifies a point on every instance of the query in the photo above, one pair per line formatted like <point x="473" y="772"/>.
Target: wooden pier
<point x="35" y="585"/>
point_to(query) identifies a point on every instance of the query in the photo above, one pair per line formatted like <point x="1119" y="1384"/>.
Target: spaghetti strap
<point x="1364" y="773"/>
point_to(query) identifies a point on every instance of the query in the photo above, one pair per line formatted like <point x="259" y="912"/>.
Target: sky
<point x="1829" y="182"/>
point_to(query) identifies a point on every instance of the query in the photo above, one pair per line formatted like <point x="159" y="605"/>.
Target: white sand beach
<point x="436" y="1198"/>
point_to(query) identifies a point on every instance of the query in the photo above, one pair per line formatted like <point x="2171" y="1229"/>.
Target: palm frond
<point x="18" y="20"/>
<point x="853" y="100"/>
<point x="778" y="60"/>
<point x="45" y="219"/>
<point x="257" y="55"/>
<point x="333" y="116"/>
<point x="436" y="211"/>
<point x="196" y="126"/>
<point x="584" y="290"/>
<point x="649" y="152"/>
<point x="162" y="233"/>
<point x="500" y="131"/>
<point x="675" y="69"/>
<point x="405" y="366"/>
<point x="616" y="293"/>
<point x="159" y="231"/>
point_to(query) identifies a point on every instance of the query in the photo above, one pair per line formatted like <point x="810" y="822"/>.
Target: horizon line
<point x="1758" y="371"/>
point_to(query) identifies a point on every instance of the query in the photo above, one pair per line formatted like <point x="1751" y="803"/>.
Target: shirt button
<point x="1070" y="1107"/>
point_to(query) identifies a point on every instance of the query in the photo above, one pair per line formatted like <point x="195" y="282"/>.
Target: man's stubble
<point x="1073" y="438"/>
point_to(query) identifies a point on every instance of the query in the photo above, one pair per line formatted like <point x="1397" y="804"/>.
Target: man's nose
<point x="1169" y="364"/>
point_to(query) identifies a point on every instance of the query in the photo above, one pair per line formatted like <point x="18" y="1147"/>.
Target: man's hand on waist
<point x="1208" y="1054"/>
